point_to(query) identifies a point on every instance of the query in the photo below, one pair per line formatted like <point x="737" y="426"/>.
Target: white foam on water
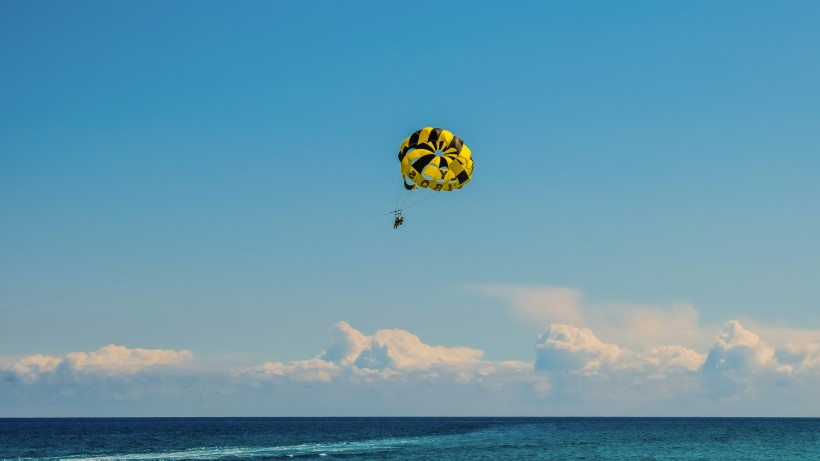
<point x="318" y="449"/>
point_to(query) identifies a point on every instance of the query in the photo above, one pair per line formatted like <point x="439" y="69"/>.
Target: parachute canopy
<point x="434" y="158"/>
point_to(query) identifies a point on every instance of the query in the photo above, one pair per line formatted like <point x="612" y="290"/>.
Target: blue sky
<point x="645" y="171"/>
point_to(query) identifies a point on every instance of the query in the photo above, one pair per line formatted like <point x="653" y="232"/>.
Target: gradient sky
<point x="645" y="172"/>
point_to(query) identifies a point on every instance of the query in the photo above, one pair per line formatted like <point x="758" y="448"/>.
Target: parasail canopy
<point x="434" y="158"/>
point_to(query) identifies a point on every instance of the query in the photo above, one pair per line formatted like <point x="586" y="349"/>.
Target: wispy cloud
<point x="542" y="305"/>
<point x="626" y="323"/>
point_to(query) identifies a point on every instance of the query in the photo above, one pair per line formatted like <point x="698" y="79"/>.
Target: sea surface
<point x="412" y="438"/>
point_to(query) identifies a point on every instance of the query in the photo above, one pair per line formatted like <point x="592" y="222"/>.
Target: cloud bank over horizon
<point x="393" y="372"/>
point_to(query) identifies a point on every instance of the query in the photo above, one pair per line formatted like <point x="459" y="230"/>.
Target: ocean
<point x="410" y="439"/>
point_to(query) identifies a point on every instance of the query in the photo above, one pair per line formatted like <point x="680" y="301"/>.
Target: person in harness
<point x="398" y="221"/>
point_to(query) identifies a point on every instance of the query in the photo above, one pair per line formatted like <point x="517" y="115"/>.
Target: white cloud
<point x="671" y="359"/>
<point x="564" y="347"/>
<point x="405" y="351"/>
<point x="387" y="354"/>
<point x="800" y="357"/>
<point x="348" y="343"/>
<point x="741" y="367"/>
<point x="29" y="368"/>
<point x="111" y="359"/>
<point x="798" y="349"/>
<point x="395" y="370"/>
<point x="739" y="349"/>
<point x="392" y="372"/>
<point x="298" y="371"/>
<point x="572" y="366"/>
<point x="736" y="351"/>
<point x="120" y="359"/>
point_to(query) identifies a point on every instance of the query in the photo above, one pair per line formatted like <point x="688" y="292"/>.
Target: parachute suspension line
<point x="412" y="204"/>
<point x="402" y="197"/>
<point x="401" y="192"/>
<point x="345" y="224"/>
<point x="398" y="199"/>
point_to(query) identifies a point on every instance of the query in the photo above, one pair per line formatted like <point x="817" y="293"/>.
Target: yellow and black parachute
<point x="435" y="159"/>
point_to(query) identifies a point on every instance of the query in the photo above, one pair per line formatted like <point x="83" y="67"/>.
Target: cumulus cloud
<point x="800" y="358"/>
<point x="29" y="368"/>
<point x="348" y="343"/>
<point x="392" y="371"/>
<point x="739" y="349"/>
<point x="572" y="365"/>
<point x="740" y="367"/>
<point x="404" y="351"/>
<point x="111" y="359"/>
<point x="564" y="347"/>
<point x="736" y="351"/>
<point x="671" y="359"/>
<point x="120" y="359"/>
<point x="394" y="348"/>
<point x="298" y="371"/>
<point x="387" y="354"/>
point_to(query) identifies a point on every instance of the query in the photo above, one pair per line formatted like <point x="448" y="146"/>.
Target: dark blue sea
<point x="412" y="438"/>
